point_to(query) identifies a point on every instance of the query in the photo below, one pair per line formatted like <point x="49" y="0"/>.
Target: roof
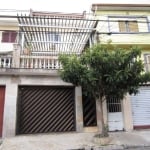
<point x="51" y="36"/>
<point x="104" y="6"/>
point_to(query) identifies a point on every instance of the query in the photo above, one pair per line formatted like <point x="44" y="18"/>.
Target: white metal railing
<point x="5" y="61"/>
<point x="40" y="62"/>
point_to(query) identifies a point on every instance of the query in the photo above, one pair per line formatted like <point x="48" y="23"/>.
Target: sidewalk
<point x="72" y="141"/>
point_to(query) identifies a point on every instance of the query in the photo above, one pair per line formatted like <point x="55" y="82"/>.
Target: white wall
<point x="10" y="106"/>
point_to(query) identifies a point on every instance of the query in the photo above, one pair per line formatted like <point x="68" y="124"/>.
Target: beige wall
<point x="126" y="111"/>
<point x="12" y="82"/>
<point x="112" y="26"/>
<point x="14" y="28"/>
<point x="122" y="12"/>
<point x="126" y="39"/>
<point x="127" y="114"/>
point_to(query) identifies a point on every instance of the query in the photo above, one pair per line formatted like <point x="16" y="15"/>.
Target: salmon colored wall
<point x="2" y="99"/>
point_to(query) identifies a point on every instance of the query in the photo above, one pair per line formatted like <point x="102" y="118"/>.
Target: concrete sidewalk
<point x="69" y="141"/>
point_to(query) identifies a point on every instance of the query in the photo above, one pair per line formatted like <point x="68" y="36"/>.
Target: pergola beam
<point x="56" y="35"/>
<point x="54" y="42"/>
<point x="57" y="27"/>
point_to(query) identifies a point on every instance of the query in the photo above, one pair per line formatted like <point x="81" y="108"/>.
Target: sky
<point x="71" y="6"/>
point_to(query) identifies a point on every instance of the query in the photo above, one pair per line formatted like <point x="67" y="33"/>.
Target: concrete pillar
<point x="16" y="56"/>
<point x="9" y="122"/>
<point x="79" y="110"/>
<point x="127" y="113"/>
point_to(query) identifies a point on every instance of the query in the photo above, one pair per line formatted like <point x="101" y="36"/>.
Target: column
<point x="127" y="113"/>
<point x="9" y="122"/>
<point x="79" y="110"/>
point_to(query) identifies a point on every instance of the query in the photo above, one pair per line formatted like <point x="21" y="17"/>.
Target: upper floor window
<point x="9" y="36"/>
<point x="147" y="62"/>
<point x="52" y="36"/>
<point x="128" y="26"/>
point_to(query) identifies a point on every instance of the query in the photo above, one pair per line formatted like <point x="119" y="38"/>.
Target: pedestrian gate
<point x="115" y="116"/>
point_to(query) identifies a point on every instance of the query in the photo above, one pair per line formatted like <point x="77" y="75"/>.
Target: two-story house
<point x="33" y="97"/>
<point x="127" y="25"/>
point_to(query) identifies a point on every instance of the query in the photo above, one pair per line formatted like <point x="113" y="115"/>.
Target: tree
<point x="103" y="72"/>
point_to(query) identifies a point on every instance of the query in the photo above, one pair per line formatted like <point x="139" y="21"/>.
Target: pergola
<point x="52" y="35"/>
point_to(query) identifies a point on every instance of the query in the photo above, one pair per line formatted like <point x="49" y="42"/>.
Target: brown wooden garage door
<point x="45" y="109"/>
<point x="2" y="98"/>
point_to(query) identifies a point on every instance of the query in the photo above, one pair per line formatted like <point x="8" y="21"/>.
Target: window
<point x="128" y="26"/>
<point x="147" y="62"/>
<point x="51" y="37"/>
<point x="54" y="37"/>
<point x="113" y="104"/>
<point x="9" y="36"/>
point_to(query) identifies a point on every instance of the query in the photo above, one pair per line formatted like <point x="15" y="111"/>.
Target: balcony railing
<point x="31" y="62"/>
<point x="14" y="59"/>
<point x="39" y="62"/>
<point x="5" y="61"/>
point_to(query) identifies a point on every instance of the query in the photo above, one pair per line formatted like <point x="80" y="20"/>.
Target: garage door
<point x="45" y="109"/>
<point x="141" y="108"/>
<point x="2" y="97"/>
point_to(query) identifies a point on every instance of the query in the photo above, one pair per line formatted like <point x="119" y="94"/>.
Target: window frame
<point x="127" y="26"/>
<point x="146" y="62"/>
<point x="9" y="36"/>
<point x="114" y="19"/>
<point x="52" y="37"/>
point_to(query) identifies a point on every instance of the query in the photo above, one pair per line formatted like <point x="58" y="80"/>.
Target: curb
<point x="112" y="147"/>
<point x="136" y="146"/>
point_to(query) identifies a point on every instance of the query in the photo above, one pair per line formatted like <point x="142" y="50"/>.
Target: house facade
<point x="33" y="97"/>
<point x="126" y="25"/>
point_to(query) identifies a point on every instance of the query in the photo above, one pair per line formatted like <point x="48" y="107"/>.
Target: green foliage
<point x="104" y="72"/>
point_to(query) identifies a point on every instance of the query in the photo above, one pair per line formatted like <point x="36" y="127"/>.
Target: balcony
<point x="15" y="60"/>
<point x="16" y="64"/>
<point x="18" y="59"/>
<point x="40" y="41"/>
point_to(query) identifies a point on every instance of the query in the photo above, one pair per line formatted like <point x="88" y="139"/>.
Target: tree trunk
<point x="104" y="129"/>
